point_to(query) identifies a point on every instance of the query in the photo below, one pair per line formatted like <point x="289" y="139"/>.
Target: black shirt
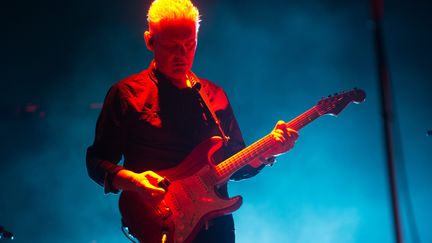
<point x="154" y="125"/>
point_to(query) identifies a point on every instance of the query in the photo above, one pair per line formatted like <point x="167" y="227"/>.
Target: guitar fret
<point x="242" y="158"/>
<point x="304" y="119"/>
<point x="245" y="156"/>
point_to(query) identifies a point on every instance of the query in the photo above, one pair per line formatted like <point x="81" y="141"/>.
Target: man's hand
<point x="285" y="139"/>
<point x="146" y="183"/>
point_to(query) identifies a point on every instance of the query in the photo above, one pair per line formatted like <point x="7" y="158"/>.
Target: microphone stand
<point x="387" y="112"/>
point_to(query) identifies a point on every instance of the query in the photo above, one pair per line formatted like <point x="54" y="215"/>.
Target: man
<point x="155" y="118"/>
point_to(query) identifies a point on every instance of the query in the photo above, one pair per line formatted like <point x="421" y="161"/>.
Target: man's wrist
<point x="268" y="160"/>
<point x="119" y="179"/>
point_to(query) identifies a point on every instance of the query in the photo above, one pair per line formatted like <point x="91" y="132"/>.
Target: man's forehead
<point x="179" y="30"/>
<point x="177" y="25"/>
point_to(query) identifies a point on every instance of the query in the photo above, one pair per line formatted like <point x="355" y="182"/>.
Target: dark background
<point x="275" y="59"/>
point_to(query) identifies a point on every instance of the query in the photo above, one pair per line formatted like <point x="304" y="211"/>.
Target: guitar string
<point x="240" y="159"/>
<point x="310" y="115"/>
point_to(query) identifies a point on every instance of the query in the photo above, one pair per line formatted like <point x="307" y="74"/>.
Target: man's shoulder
<point x="135" y="84"/>
<point x="211" y="87"/>
<point x="216" y="95"/>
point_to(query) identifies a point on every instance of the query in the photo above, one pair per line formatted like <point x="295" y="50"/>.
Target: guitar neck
<point x="226" y="168"/>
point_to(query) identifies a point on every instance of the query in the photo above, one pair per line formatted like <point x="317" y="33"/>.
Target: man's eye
<point x="169" y="46"/>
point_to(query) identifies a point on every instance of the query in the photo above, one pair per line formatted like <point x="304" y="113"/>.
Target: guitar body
<point x="191" y="198"/>
<point x="190" y="201"/>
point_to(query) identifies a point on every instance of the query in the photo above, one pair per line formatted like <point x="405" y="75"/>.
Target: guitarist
<point x="155" y="118"/>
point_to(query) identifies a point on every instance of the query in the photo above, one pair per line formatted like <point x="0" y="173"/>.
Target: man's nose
<point x="181" y="49"/>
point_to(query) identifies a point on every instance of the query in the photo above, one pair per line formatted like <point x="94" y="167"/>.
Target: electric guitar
<point x="191" y="198"/>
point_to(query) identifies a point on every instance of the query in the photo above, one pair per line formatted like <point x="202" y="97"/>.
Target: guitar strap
<point x="196" y="85"/>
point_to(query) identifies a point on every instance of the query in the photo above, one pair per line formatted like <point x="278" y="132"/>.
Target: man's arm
<point x="105" y="153"/>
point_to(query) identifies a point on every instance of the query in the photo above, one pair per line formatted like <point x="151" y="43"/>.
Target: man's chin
<point x="179" y="73"/>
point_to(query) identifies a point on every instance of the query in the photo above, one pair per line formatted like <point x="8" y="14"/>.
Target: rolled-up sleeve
<point x="106" y="152"/>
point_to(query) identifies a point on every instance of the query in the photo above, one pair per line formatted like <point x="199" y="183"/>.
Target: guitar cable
<point x="127" y="233"/>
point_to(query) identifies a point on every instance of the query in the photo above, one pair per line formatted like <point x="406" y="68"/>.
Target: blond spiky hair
<point x="161" y="10"/>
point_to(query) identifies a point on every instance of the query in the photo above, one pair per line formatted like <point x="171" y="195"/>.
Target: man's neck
<point x="180" y="83"/>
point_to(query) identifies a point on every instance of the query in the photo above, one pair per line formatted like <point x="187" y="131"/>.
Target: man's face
<point x="174" y="46"/>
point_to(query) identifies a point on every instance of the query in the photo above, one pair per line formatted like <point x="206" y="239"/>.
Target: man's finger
<point x="290" y="130"/>
<point x="292" y="133"/>
<point x="154" y="189"/>
<point x="280" y="123"/>
<point x="153" y="175"/>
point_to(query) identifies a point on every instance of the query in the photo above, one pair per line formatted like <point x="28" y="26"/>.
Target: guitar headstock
<point x="334" y="104"/>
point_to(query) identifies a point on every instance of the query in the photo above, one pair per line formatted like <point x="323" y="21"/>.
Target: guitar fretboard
<point x="226" y="168"/>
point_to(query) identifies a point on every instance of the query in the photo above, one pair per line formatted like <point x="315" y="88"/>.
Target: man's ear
<point x="149" y="40"/>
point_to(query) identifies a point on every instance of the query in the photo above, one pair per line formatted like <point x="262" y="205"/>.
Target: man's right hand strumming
<point x="146" y="183"/>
